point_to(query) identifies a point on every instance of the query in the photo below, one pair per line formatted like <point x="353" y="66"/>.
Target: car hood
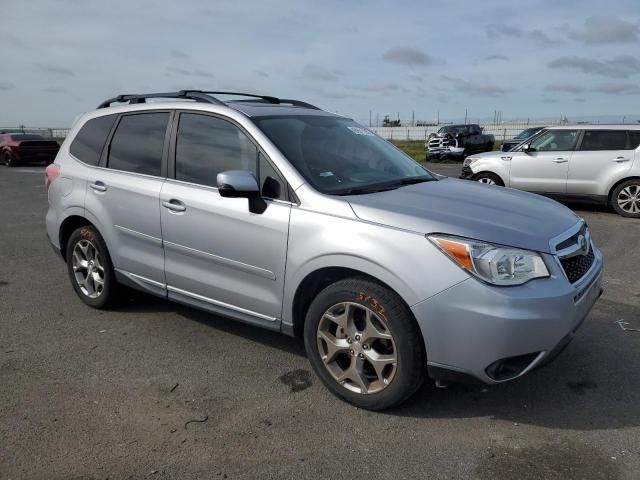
<point x="469" y="209"/>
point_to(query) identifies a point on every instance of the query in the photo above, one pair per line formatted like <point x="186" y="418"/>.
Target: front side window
<point x="555" y="141"/>
<point x="90" y="140"/>
<point x="138" y="143"/>
<point x="594" y="140"/>
<point x="206" y="146"/>
<point x="337" y="156"/>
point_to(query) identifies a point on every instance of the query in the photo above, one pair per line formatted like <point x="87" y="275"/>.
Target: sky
<point x="533" y="59"/>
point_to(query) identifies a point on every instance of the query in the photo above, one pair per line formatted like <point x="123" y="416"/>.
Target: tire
<point x="488" y="178"/>
<point x="84" y="243"/>
<point x="8" y="159"/>
<point x="625" y="198"/>
<point x="375" y="321"/>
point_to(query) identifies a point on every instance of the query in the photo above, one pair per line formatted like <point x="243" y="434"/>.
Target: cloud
<point x="606" y="30"/>
<point x="496" y="58"/>
<point x="384" y="88"/>
<point x="498" y="31"/>
<point x="476" y="88"/>
<point x="549" y="100"/>
<point x="333" y="94"/>
<point x="188" y="73"/>
<point x="319" y="73"/>
<point x="54" y="90"/>
<point x="565" y="87"/>
<point x="621" y="66"/>
<point x="261" y="73"/>
<point x="9" y="40"/>
<point x="56" y="69"/>
<point x="6" y="86"/>
<point x="581" y="100"/>
<point x="175" y="53"/>
<point x="618" y="89"/>
<point x="407" y="56"/>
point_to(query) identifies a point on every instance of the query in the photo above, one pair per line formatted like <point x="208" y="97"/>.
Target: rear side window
<point x="604" y="140"/>
<point x="634" y="139"/>
<point x="138" y="143"/>
<point x="90" y="140"/>
<point x="206" y="146"/>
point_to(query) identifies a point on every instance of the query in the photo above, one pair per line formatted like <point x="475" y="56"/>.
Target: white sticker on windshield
<point x="326" y="174"/>
<point x="361" y="131"/>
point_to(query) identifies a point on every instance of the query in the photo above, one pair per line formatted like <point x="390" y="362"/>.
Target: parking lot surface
<point x="156" y="390"/>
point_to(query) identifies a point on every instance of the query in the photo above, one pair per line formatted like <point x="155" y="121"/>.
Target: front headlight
<point x="469" y="160"/>
<point x="494" y="264"/>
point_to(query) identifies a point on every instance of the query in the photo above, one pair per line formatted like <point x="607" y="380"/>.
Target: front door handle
<point x="98" y="186"/>
<point x="621" y="159"/>
<point x="560" y="160"/>
<point x="174" y="205"/>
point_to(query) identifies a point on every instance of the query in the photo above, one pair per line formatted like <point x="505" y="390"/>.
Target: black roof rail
<point x="142" y="98"/>
<point x="204" y="96"/>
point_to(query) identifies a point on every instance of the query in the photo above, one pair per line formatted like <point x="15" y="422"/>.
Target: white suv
<point x="590" y="162"/>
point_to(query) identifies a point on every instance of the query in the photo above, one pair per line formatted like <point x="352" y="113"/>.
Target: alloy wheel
<point x="88" y="269"/>
<point x="486" y="180"/>
<point x="357" y="348"/>
<point x="629" y="199"/>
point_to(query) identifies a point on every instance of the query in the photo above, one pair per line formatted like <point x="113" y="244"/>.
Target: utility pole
<point x="465" y="116"/>
<point x="377" y="119"/>
<point x="438" y="120"/>
<point x="369" y="118"/>
<point x="413" y="118"/>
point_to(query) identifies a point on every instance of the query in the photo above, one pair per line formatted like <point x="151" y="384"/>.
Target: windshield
<point x="523" y="135"/>
<point x="337" y="156"/>
<point x="24" y="136"/>
<point x="454" y="129"/>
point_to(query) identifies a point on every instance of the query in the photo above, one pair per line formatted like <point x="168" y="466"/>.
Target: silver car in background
<point x="276" y="213"/>
<point x="586" y="162"/>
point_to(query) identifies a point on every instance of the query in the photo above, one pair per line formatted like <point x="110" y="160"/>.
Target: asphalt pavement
<point x="156" y="390"/>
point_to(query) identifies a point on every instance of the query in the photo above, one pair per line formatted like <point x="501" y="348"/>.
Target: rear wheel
<point x="488" y="178"/>
<point x="364" y="344"/>
<point x="90" y="269"/>
<point x="8" y="159"/>
<point x="625" y="199"/>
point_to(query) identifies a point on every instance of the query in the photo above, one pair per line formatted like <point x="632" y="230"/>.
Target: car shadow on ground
<point x="592" y="385"/>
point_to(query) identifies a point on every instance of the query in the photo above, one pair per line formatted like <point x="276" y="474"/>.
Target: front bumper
<point x="473" y="329"/>
<point x="466" y="173"/>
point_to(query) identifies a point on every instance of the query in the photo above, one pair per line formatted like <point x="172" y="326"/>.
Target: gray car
<point x="598" y="163"/>
<point x="276" y="213"/>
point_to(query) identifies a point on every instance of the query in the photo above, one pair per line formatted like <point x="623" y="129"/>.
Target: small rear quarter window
<point x="90" y="140"/>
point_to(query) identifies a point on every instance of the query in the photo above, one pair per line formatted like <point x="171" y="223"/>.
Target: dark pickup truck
<point x="458" y="141"/>
<point x="23" y="148"/>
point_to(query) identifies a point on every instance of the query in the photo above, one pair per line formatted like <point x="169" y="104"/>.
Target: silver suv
<point x="276" y="213"/>
<point x="587" y="162"/>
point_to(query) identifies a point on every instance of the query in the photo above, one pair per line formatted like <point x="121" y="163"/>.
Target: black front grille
<point x="576" y="267"/>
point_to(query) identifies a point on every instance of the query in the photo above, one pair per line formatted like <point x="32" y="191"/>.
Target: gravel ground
<point x="156" y="390"/>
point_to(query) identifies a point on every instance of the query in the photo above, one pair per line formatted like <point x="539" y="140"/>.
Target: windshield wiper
<point x="414" y="180"/>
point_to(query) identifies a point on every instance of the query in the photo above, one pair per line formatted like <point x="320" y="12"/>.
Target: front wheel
<point x="625" y="199"/>
<point x="488" y="178"/>
<point x="364" y="344"/>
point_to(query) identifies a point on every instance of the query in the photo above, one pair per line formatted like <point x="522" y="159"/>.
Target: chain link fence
<point x="45" y="132"/>
<point x="502" y="131"/>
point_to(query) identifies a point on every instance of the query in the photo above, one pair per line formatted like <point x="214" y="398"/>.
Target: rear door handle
<point x="174" y="205"/>
<point x="98" y="186"/>
<point x="561" y="160"/>
<point x="621" y="159"/>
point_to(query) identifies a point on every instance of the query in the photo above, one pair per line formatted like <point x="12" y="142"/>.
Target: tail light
<point x="50" y="174"/>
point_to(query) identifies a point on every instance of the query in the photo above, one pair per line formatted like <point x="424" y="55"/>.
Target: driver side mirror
<point x="237" y="184"/>
<point x="527" y="148"/>
<point x="241" y="184"/>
